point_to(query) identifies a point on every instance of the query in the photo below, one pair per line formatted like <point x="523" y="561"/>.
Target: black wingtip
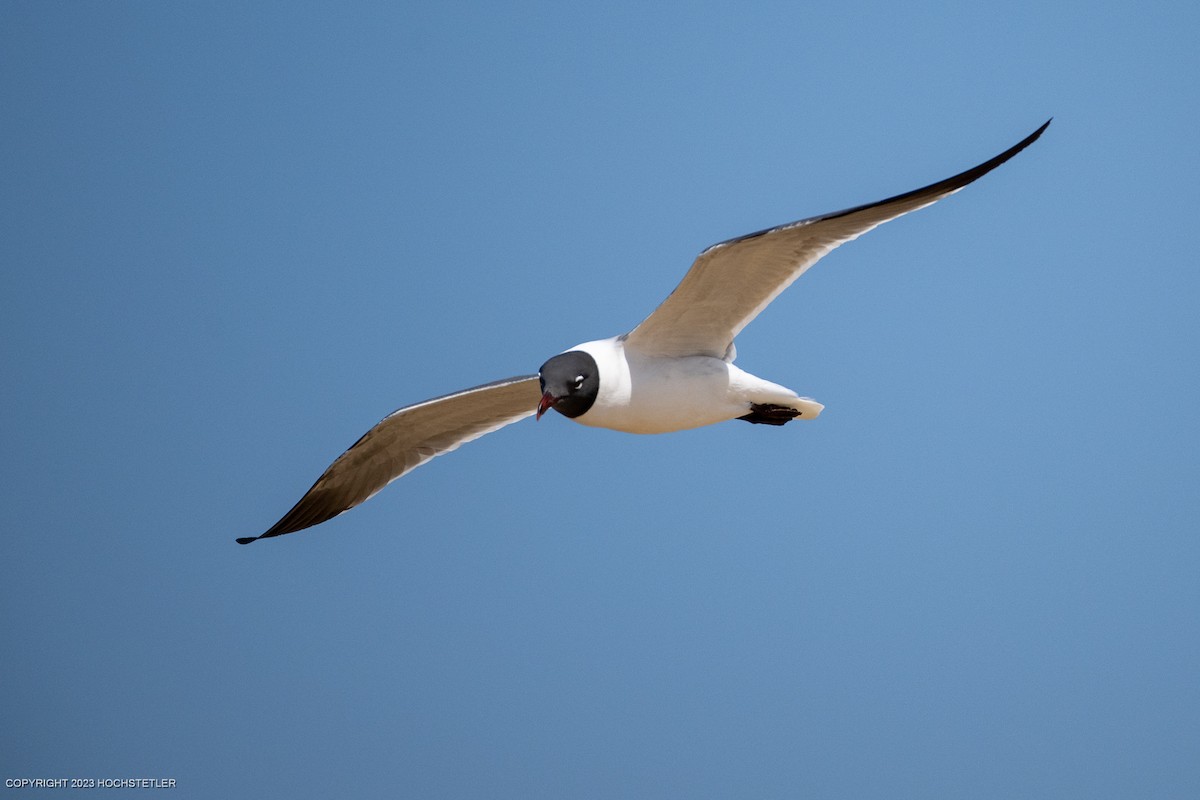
<point x="247" y="539"/>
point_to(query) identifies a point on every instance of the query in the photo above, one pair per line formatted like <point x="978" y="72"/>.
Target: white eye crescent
<point x="578" y="382"/>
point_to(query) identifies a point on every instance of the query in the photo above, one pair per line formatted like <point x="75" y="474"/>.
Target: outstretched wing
<point x="732" y="282"/>
<point x="403" y="441"/>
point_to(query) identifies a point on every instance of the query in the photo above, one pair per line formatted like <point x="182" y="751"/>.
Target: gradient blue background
<point x="236" y="235"/>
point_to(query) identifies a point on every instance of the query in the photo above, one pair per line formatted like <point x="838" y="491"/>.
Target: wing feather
<point x="403" y="441"/>
<point x="730" y="283"/>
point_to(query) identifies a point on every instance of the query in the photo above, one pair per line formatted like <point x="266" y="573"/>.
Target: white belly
<point x="643" y="394"/>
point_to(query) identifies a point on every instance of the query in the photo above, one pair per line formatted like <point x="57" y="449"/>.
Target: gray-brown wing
<point x="732" y="282"/>
<point x="403" y="441"/>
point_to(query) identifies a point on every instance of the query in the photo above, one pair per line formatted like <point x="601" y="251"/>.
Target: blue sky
<point x="236" y="235"/>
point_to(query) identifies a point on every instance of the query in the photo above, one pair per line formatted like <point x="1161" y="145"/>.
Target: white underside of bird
<point x="642" y="393"/>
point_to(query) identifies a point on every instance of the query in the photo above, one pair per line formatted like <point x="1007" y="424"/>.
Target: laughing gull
<point x="672" y="372"/>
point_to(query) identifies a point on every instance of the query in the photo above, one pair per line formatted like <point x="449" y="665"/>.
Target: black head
<point x="570" y="382"/>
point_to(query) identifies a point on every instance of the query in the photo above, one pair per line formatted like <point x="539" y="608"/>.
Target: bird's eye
<point x="577" y="383"/>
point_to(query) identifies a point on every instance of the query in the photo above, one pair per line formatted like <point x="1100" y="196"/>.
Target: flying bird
<point x="672" y="372"/>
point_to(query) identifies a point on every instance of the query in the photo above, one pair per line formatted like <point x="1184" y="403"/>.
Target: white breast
<point x="648" y="394"/>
